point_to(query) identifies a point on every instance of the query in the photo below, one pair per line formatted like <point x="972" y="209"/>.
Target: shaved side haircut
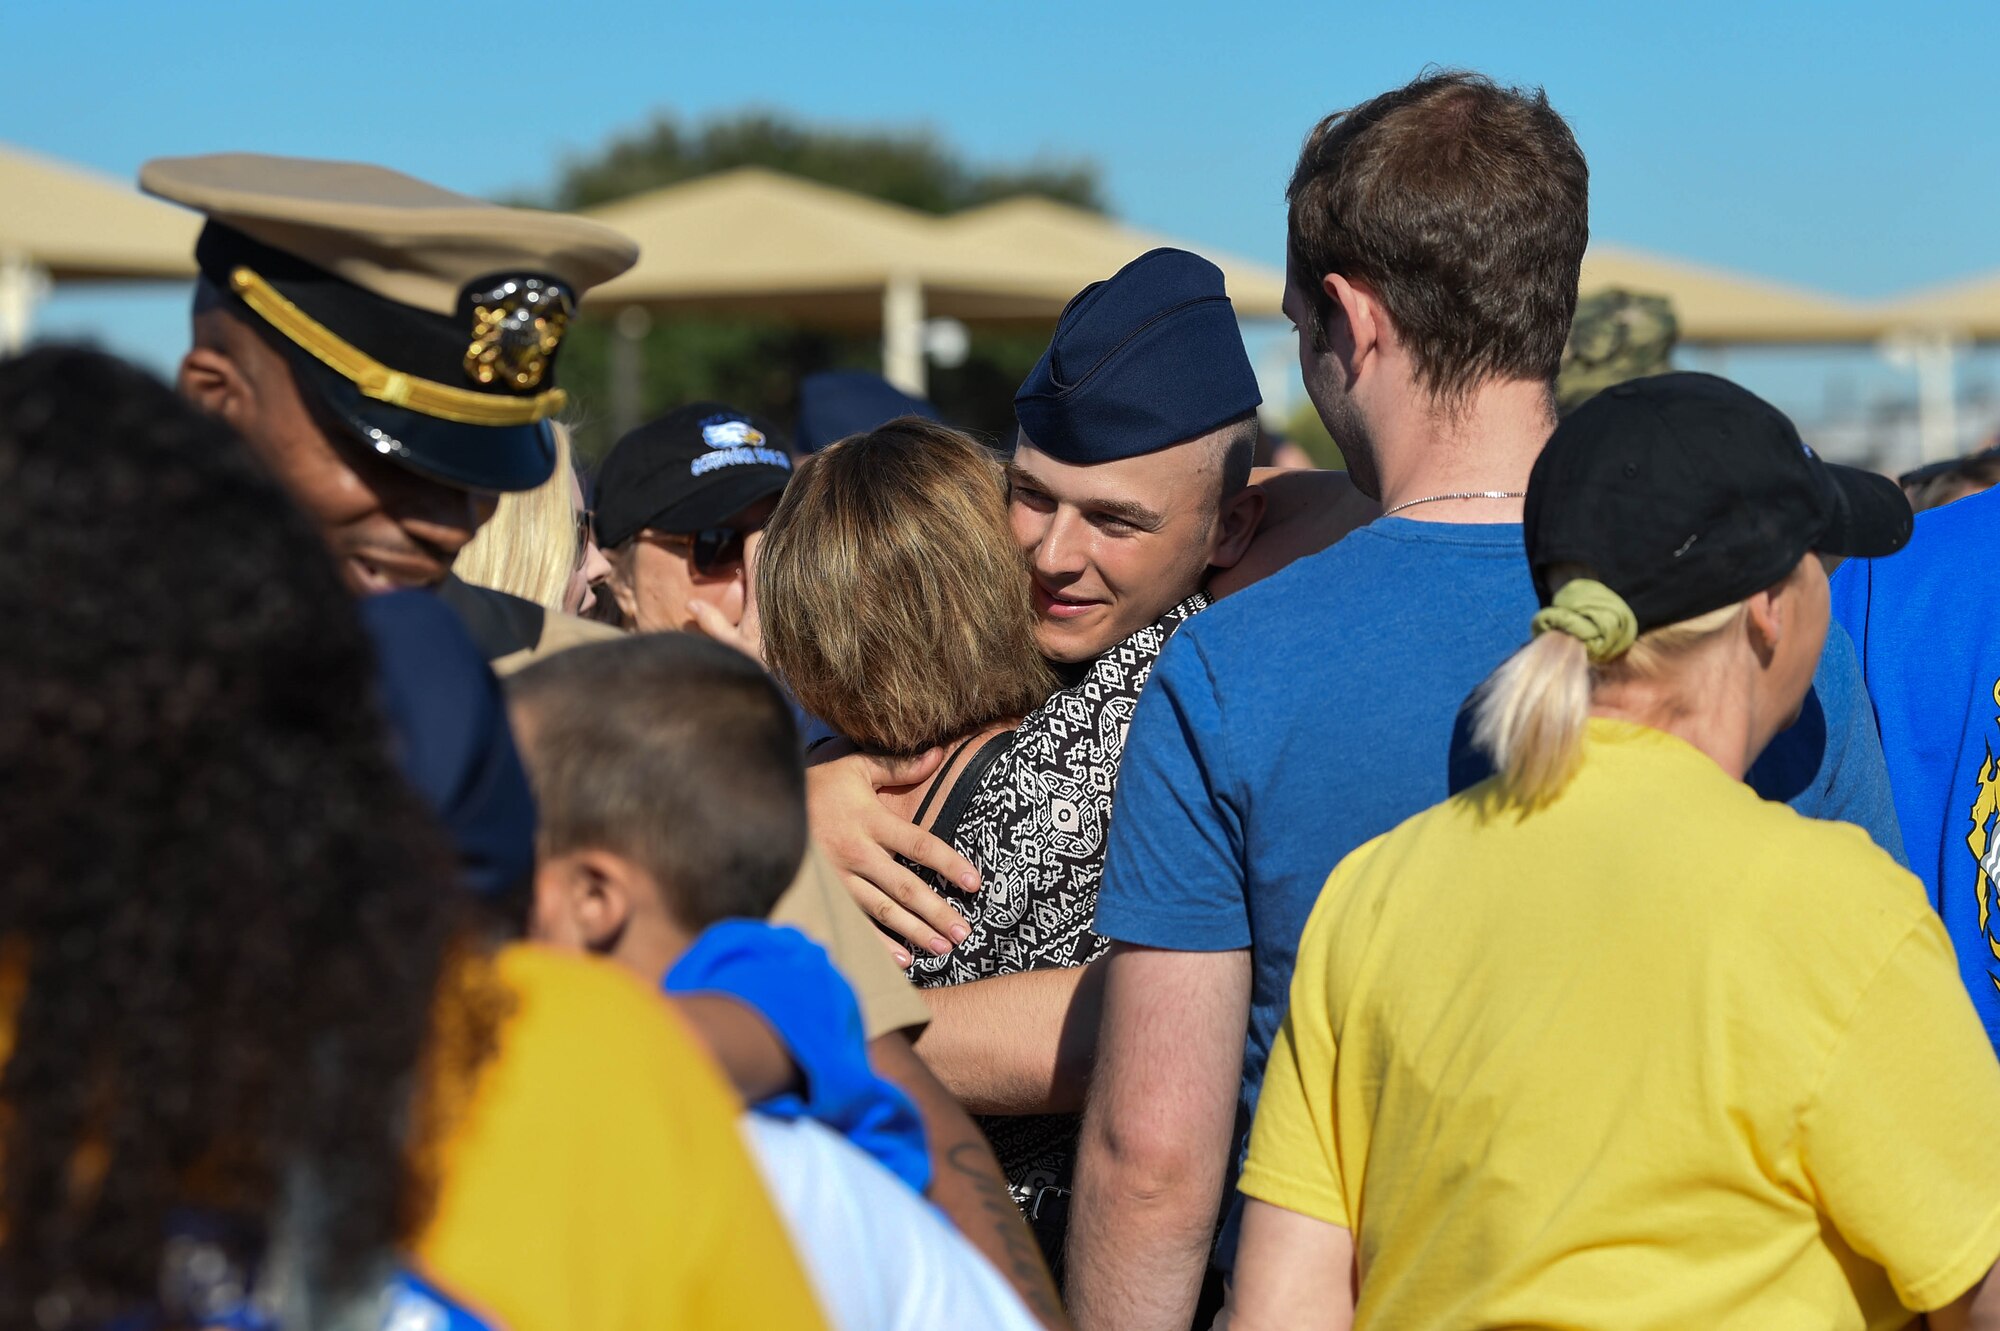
<point x="1237" y="449"/>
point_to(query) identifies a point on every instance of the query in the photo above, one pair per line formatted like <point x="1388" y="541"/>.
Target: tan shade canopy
<point x="1063" y="249"/>
<point x="1716" y="307"/>
<point x="1969" y="309"/>
<point x="757" y="241"/>
<point x="77" y="226"/>
<point x="753" y="241"/>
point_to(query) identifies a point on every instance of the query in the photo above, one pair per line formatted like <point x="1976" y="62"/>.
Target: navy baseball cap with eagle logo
<point x="695" y="467"/>
<point x="427" y="322"/>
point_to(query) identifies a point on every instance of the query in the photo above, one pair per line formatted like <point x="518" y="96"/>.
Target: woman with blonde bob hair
<point x="893" y="596"/>
<point x="1608" y="1040"/>
<point x="896" y="605"/>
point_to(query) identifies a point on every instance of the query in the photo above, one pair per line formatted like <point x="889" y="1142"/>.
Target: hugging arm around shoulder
<point x="1016" y="1044"/>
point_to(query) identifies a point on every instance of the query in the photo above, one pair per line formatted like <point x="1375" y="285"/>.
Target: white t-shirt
<point x="878" y="1255"/>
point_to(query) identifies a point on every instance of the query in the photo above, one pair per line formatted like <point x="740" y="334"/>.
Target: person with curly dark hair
<point x="259" y="1061"/>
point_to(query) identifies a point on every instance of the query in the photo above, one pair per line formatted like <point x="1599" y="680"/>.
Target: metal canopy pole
<point x="1933" y="354"/>
<point x="628" y="368"/>
<point x="22" y="286"/>
<point x="903" y="334"/>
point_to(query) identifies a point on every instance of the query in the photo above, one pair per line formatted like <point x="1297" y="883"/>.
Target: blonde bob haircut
<point x="529" y="546"/>
<point x="893" y="596"/>
<point x="1530" y="714"/>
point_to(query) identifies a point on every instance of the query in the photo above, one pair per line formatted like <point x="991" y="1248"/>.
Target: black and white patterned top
<point x="1034" y="826"/>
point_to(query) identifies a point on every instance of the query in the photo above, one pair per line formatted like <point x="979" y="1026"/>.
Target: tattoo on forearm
<point x="1031" y="1278"/>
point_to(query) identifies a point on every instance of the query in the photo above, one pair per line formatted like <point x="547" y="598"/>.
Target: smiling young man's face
<point x="1113" y="546"/>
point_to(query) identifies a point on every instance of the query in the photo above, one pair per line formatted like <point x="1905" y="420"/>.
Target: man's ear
<point x="584" y="899"/>
<point x="1361" y="313"/>
<point x="1236" y="525"/>
<point x="624" y="571"/>
<point x="210" y="378"/>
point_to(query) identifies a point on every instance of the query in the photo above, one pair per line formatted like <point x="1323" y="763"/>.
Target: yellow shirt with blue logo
<point x="1660" y="1054"/>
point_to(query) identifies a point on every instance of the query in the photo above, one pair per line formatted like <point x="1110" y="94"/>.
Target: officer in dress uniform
<point x="389" y="348"/>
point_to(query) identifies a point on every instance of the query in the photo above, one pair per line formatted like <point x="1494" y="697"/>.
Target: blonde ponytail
<point x="1530" y="715"/>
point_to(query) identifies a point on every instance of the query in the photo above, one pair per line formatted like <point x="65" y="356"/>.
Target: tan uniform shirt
<point x="559" y="634"/>
<point x="819" y="907"/>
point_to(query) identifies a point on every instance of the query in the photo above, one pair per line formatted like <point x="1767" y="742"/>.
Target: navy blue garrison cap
<point x="836" y="403"/>
<point x="1147" y="359"/>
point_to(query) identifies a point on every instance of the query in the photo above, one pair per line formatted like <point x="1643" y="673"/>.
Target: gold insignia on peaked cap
<point x="379" y="381"/>
<point x="396" y="236"/>
<point x="516" y="326"/>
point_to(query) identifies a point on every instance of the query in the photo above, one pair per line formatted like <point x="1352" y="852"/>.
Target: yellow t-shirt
<point x="595" y="1178"/>
<point x="1659" y="1055"/>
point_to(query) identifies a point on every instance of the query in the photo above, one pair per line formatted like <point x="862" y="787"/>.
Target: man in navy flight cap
<point x="1129" y="483"/>
<point x="1129" y="486"/>
<point x="1131" y="476"/>
<point x="389" y="348"/>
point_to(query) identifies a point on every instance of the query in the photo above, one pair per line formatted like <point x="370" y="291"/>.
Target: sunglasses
<point x="711" y="548"/>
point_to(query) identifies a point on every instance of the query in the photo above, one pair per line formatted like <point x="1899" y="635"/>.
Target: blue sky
<point x="1843" y="146"/>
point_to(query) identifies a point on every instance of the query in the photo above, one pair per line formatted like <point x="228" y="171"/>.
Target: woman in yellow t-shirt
<point x="1607" y="1041"/>
<point x="257" y="1068"/>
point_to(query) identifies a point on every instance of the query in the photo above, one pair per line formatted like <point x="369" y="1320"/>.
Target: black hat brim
<point x="714" y="505"/>
<point x="1871" y="516"/>
<point x="472" y="457"/>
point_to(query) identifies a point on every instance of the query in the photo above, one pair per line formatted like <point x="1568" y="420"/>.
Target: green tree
<point x="911" y="167"/>
<point x="756" y="364"/>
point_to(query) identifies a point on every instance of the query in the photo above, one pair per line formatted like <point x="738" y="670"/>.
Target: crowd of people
<point x="868" y="875"/>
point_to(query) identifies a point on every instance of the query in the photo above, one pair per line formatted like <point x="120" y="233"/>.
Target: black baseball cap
<point x="693" y="468"/>
<point x="1685" y="493"/>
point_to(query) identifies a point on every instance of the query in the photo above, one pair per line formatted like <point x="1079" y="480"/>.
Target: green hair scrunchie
<point x="1594" y="615"/>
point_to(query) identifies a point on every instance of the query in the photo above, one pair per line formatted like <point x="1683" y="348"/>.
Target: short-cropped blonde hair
<point x="893" y="596"/>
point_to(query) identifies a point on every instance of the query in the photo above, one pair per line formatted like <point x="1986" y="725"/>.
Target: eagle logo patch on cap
<point x="726" y="432"/>
<point x="516" y="326"/>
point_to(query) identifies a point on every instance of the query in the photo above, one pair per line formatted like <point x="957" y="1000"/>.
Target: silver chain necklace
<point x="1456" y="494"/>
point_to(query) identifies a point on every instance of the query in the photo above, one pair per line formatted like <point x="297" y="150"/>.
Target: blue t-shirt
<point x="790" y="982"/>
<point x="1926" y="622"/>
<point x="1314" y="711"/>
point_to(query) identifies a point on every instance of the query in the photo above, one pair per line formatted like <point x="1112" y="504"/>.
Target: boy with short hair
<point x="672" y="816"/>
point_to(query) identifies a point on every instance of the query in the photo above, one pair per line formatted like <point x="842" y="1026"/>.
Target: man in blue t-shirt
<point x="1314" y="711"/>
<point x="1926" y="623"/>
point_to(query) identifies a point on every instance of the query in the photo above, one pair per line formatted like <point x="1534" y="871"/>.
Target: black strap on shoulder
<point x="953" y="808"/>
<point x="931" y="794"/>
<point x="500" y="624"/>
